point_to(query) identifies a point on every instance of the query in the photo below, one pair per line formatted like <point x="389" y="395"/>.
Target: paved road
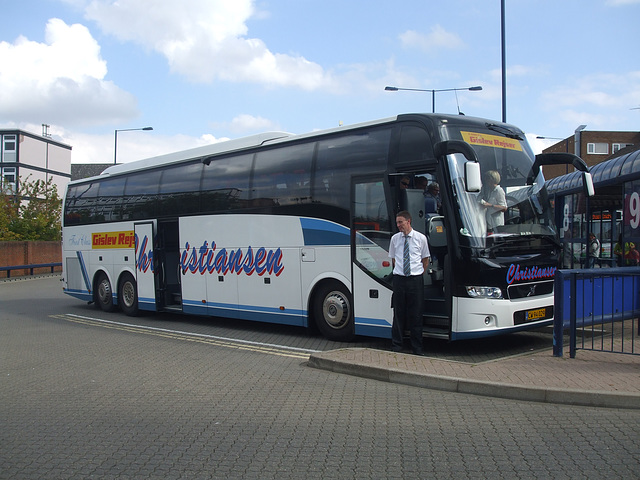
<point x="81" y="398"/>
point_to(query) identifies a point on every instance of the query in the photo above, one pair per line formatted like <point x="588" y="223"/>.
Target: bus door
<point x="146" y="265"/>
<point x="372" y="271"/>
<point x="426" y="214"/>
<point x="169" y="286"/>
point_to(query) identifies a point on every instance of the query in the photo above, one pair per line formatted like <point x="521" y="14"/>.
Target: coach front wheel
<point x="333" y="313"/>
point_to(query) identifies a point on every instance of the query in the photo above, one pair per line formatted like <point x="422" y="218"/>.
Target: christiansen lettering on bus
<point x="205" y="259"/>
<point x="517" y="274"/>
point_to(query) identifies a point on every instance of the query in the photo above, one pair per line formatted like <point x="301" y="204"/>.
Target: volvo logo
<point x="532" y="291"/>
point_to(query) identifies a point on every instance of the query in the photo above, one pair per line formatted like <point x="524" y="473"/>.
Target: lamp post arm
<point x="115" y="141"/>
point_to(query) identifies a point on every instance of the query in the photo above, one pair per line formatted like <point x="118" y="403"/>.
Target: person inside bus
<point x="493" y="200"/>
<point x="405" y="182"/>
<point x="421" y="183"/>
<point x="432" y="201"/>
<point x="409" y="253"/>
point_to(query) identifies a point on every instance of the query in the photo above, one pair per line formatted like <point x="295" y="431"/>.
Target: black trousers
<point x="408" y="303"/>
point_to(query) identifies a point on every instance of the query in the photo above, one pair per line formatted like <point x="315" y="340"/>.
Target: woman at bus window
<point x="493" y="199"/>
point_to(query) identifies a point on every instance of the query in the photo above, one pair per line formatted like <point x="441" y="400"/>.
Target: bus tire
<point x="104" y="293"/>
<point x="333" y="312"/>
<point x="128" y="295"/>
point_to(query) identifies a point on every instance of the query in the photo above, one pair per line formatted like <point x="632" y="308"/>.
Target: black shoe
<point x="419" y="354"/>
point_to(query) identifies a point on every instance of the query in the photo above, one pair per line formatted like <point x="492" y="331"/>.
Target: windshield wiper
<point x="510" y="241"/>
<point x="507" y="132"/>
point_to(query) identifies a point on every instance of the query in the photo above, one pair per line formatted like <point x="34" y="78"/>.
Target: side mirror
<point x="587" y="182"/>
<point x="472" y="177"/>
<point x="555" y="159"/>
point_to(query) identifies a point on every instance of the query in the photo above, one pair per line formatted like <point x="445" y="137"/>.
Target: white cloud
<point x="245" y="124"/>
<point x="600" y="91"/>
<point x="88" y="148"/>
<point x="600" y="100"/>
<point x="520" y="71"/>
<point x="439" y="38"/>
<point x="60" y="80"/>
<point x="205" y="40"/>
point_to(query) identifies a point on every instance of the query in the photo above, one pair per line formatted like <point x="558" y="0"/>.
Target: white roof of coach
<point x="228" y="146"/>
<point x="204" y="151"/>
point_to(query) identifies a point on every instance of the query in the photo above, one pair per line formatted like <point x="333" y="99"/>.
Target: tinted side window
<point x="180" y="190"/>
<point x="340" y="157"/>
<point x="71" y="216"/>
<point x="140" y="195"/>
<point x="225" y="184"/>
<point x="80" y="204"/>
<point x="109" y="202"/>
<point x="415" y="146"/>
<point x="282" y="176"/>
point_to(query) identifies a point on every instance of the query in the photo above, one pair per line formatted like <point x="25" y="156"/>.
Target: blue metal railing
<point x="599" y="307"/>
<point x="31" y="267"/>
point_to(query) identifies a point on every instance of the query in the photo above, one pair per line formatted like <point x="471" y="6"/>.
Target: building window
<point x="8" y="180"/>
<point x="9" y="143"/>
<point x="619" y="146"/>
<point x="598" y="148"/>
<point x="9" y="148"/>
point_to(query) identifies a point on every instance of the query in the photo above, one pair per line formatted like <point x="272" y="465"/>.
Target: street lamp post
<point x="115" y="144"/>
<point x="433" y="92"/>
<point x="577" y="145"/>
<point x="566" y="146"/>
<point x="566" y="141"/>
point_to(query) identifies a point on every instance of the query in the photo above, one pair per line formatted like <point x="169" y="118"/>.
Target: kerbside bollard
<point x="558" y="314"/>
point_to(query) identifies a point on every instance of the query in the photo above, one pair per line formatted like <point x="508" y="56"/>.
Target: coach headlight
<point x="484" y="292"/>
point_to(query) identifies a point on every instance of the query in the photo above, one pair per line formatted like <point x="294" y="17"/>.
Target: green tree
<point x="31" y="213"/>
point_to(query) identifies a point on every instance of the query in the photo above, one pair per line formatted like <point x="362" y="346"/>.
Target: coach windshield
<point x="509" y="159"/>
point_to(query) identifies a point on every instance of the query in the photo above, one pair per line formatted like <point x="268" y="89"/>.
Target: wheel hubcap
<point x="335" y="309"/>
<point x="104" y="290"/>
<point x="128" y="294"/>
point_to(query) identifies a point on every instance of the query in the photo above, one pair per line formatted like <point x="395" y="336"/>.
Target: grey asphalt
<point x="593" y="378"/>
<point x="87" y="395"/>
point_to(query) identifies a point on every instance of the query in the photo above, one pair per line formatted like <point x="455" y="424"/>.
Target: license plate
<point x="536" y="314"/>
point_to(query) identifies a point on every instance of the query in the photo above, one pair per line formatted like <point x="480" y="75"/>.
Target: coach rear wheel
<point x="128" y="295"/>
<point x="103" y="293"/>
<point x="333" y="313"/>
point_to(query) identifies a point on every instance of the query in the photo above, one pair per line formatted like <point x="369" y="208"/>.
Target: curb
<point x="24" y="278"/>
<point x="477" y="387"/>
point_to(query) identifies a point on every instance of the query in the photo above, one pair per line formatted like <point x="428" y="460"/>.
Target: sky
<point x="203" y="71"/>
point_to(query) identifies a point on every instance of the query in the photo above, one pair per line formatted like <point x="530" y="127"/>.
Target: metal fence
<point x="30" y="267"/>
<point x="600" y="308"/>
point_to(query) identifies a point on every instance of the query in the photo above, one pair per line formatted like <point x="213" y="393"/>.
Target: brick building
<point x="592" y="146"/>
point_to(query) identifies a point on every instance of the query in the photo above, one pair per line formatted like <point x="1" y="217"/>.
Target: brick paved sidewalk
<point x="592" y="378"/>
